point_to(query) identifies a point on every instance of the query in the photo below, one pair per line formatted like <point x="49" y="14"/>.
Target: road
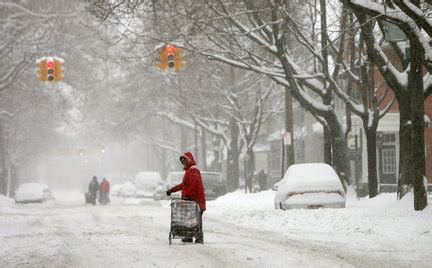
<point x="136" y="235"/>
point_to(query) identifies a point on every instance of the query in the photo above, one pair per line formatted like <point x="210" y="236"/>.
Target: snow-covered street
<point x="134" y="233"/>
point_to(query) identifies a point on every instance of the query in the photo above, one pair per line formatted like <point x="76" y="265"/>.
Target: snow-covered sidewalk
<point x="383" y="226"/>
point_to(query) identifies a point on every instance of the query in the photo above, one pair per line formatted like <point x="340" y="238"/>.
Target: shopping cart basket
<point x="185" y="220"/>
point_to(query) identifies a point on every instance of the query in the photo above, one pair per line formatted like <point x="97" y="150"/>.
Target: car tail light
<point x="341" y="193"/>
<point x="293" y="193"/>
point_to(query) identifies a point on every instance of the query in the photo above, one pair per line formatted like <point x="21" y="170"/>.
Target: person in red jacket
<point x="104" y="191"/>
<point x="192" y="187"/>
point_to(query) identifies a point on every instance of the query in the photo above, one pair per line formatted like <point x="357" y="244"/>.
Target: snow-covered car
<point x="173" y="178"/>
<point x="115" y="189"/>
<point x="313" y="185"/>
<point x="146" y="183"/>
<point x="127" y="190"/>
<point x="214" y="184"/>
<point x="33" y="193"/>
<point x="159" y="192"/>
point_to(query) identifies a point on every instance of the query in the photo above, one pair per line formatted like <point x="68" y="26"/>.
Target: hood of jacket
<point x="190" y="159"/>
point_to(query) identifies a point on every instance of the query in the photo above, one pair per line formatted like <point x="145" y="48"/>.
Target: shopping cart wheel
<point x="170" y="238"/>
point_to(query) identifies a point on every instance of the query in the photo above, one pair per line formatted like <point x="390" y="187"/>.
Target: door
<point x="387" y="158"/>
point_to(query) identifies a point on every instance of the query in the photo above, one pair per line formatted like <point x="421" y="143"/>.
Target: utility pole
<point x="3" y="179"/>
<point x="288" y="139"/>
<point x="328" y="158"/>
<point x="196" y="141"/>
<point x="288" y="152"/>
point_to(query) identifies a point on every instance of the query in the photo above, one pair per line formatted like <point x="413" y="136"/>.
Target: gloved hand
<point x="168" y="192"/>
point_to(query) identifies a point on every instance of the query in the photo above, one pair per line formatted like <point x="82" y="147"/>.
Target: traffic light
<point x="50" y="63"/>
<point x="170" y="56"/>
<point x="170" y="51"/>
<point x="50" y="69"/>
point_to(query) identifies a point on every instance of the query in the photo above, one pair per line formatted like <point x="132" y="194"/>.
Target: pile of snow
<point x="7" y="205"/>
<point x="383" y="217"/>
<point x="5" y="201"/>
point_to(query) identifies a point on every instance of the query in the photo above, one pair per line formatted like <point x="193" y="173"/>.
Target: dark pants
<point x="104" y="198"/>
<point x="201" y="225"/>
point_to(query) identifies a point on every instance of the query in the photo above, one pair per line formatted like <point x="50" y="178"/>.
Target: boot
<point x="199" y="240"/>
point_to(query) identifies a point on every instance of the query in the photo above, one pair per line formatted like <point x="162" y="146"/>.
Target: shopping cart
<point x="185" y="220"/>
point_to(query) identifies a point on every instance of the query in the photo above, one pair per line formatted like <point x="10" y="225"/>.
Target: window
<point x="389" y="138"/>
<point x="389" y="161"/>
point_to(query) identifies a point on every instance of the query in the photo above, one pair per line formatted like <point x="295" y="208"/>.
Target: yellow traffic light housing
<point x="170" y="56"/>
<point x="50" y="69"/>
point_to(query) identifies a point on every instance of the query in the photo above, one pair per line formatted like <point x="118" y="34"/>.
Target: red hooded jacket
<point x="104" y="186"/>
<point x="192" y="185"/>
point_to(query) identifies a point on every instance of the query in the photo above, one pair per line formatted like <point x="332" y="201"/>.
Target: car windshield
<point x="212" y="178"/>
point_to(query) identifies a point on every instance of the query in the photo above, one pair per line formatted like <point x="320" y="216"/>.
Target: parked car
<point x="127" y="190"/>
<point x="115" y="189"/>
<point x="214" y="184"/>
<point x="33" y="193"/>
<point x="314" y="185"/>
<point x="146" y="183"/>
<point x="159" y="193"/>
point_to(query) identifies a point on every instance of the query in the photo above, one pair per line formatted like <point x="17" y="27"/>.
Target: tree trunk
<point x="14" y="178"/>
<point x="415" y="80"/>
<point x="412" y="155"/>
<point x="3" y="178"/>
<point x="250" y="169"/>
<point x="233" y="158"/>
<point x="371" y="146"/>
<point x="217" y="161"/>
<point x="196" y="151"/>
<point x="328" y="158"/>
<point x="203" y="150"/>
<point x="406" y="169"/>
<point x="339" y="149"/>
<point x="183" y="139"/>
